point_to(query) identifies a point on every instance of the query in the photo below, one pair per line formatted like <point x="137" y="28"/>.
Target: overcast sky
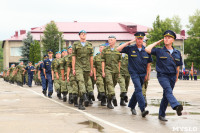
<point x="25" y="14"/>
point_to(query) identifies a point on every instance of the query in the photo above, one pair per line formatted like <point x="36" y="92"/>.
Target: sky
<point x="25" y="14"/>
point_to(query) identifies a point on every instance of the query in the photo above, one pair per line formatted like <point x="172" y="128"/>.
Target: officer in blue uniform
<point x="42" y="76"/>
<point x="47" y="72"/>
<point x="30" y="70"/>
<point x="168" y="61"/>
<point x="138" y="64"/>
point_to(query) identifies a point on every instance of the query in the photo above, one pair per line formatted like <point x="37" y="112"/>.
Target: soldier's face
<point x="64" y="53"/>
<point x="111" y="41"/>
<point x="168" y="40"/>
<point x="101" y="48"/>
<point x="50" y="55"/>
<point x="70" y="50"/>
<point x="21" y="63"/>
<point x="58" y="55"/>
<point x="139" y="41"/>
<point x="83" y="36"/>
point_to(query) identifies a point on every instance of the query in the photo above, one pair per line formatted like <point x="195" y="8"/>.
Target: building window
<point x="14" y="51"/>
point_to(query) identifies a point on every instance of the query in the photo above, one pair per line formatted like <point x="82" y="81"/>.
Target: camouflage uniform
<point x="72" y="81"/>
<point x="124" y="80"/>
<point x="82" y="67"/>
<point x="100" y="81"/>
<point x="59" y="83"/>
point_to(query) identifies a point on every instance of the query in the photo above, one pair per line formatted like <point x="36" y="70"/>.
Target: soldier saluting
<point x="168" y="61"/>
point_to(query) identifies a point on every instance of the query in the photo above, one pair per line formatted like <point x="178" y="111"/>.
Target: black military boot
<point x="109" y="104"/>
<point x="124" y="96"/>
<point x="86" y="101"/>
<point x="144" y="113"/>
<point x="50" y="94"/>
<point x="80" y="106"/>
<point x="99" y="97"/>
<point x="64" y="96"/>
<point x="44" y="92"/>
<point x="91" y="96"/>
<point x="122" y="103"/>
<point x="59" y="95"/>
<point x="70" y="99"/>
<point x="114" y="100"/>
<point x="75" y="100"/>
<point x="103" y="99"/>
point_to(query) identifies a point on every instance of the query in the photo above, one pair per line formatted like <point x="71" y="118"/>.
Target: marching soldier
<point x="111" y="61"/>
<point x="124" y="79"/>
<point x="11" y="74"/>
<point x="100" y="81"/>
<point x="55" y="76"/>
<point x="20" y="73"/>
<point x="82" y="67"/>
<point x="41" y="77"/>
<point x="47" y="72"/>
<point x="138" y="66"/>
<point x="30" y="69"/>
<point x="167" y="66"/>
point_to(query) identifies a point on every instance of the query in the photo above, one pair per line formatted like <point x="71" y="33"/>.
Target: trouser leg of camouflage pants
<point x="144" y="89"/>
<point x="100" y="84"/>
<point x="81" y="82"/>
<point x="121" y="82"/>
<point x="111" y="81"/>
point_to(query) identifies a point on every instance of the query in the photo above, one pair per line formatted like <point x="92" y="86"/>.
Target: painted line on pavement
<point x="85" y="113"/>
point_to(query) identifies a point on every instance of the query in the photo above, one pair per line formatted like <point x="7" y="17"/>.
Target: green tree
<point x="176" y="20"/>
<point x="1" y="57"/>
<point x="26" y="47"/>
<point x="192" y="44"/>
<point x="51" y="37"/>
<point x="35" y="52"/>
<point x="159" y="27"/>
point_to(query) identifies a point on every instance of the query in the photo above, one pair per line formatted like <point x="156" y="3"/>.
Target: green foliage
<point x="51" y="37"/>
<point x="26" y="47"/>
<point x="1" y="57"/>
<point x="192" y="44"/>
<point x="159" y="27"/>
<point x="35" y="52"/>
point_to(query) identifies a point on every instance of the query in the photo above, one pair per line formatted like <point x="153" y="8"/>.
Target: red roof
<point x="93" y="27"/>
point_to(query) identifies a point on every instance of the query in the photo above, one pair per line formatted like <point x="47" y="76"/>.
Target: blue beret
<point x="83" y="31"/>
<point x="170" y="33"/>
<point x="112" y="36"/>
<point x="121" y="43"/>
<point x="58" y="52"/>
<point x="70" y="46"/>
<point x="139" y="34"/>
<point x="102" y="45"/>
<point x="63" y="50"/>
<point x="98" y="53"/>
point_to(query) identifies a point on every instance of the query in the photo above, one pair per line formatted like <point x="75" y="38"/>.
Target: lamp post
<point x="183" y="36"/>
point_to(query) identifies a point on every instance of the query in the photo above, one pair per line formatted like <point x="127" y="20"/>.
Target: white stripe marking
<point x="85" y="113"/>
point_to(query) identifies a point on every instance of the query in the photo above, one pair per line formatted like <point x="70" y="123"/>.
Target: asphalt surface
<point x="26" y="110"/>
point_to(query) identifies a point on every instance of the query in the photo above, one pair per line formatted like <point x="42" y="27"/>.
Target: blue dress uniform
<point x="47" y="67"/>
<point x="44" y="81"/>
<point x="137" y="65"/>
<point x="30" y="74"/>
<point x="166" y="68"/>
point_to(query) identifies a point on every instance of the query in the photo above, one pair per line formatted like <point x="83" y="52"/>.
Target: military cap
<point x="144" y="41"/>
<point x="69" y="47"/>
<point x="63" y="50"/>
<point x="83" y="31"/>
<point x="170" y="33"/>
<point x="139" y="34"/>
<point x="50" y="51"/>
<point x="112" y="36"/>
<point x="36" y="63"/>
<point x="121" y="43"/>
<point x="98" y="53"/>
<point x="45" y="56"/>
<point x="58" y="52"/>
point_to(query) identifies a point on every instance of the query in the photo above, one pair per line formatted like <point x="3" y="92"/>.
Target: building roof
<point x="95" y="31"/>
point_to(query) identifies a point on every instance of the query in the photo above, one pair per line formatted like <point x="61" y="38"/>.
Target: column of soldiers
<point x="75" y="71"/>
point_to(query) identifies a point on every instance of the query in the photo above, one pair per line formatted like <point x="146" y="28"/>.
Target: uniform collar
<point x="174" y="50"/>
<point x="136" y="48"/>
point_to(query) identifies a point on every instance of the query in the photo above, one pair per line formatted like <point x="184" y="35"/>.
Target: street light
<point x="183" y="36"/>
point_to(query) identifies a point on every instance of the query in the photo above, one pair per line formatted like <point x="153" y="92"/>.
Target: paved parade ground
<point x="26" y="110"/>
